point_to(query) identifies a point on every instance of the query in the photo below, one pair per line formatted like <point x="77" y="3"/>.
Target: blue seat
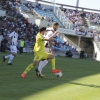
<point x="47" y="13"/>
<point x="23" y="7"/>
<point x="62" y="48"/>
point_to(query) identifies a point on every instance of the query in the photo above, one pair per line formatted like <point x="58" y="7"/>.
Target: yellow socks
<point x="53" y="63"/>
<point x="29" y="67"/>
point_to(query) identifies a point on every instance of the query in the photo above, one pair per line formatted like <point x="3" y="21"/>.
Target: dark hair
<point x="55" y="23"/>
<point x="42" y="29"/>
<point x="15" y="29"/>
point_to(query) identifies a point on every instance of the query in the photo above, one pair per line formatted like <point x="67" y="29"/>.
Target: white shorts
<point x="46" y="49"/>
<point x="13" y="49"/>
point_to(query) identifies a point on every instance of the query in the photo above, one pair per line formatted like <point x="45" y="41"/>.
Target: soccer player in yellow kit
<point x="39" y="52"/>
<point x="48" y="48"/>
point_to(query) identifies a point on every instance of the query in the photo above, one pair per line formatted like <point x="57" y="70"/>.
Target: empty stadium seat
<point x="61" y="47"/>
<point x="24" y="8"/>
<point x="47" y="13"/>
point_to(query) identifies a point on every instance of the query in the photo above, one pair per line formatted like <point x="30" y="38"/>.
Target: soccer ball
<point x="58" y="74"/>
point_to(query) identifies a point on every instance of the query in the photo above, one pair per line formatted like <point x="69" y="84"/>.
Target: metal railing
<point x="63" y="19"/>
<point x="97" y="42"/>
<point x="62" y="36"/>
<point x="74" y="7"/>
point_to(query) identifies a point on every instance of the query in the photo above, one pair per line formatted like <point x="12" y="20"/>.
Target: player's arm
<point x="50" y="46"/>
<point x="9" y="39"/>
<point x="10" y="36"/>
<point x="50" y="38"/>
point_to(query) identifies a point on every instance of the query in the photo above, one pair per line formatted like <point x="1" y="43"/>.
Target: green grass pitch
<point x="80" y="80"/>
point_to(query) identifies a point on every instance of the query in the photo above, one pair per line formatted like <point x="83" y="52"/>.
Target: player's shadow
<point x="87" y="85"/>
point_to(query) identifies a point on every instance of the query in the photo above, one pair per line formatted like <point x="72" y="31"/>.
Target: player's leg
<point x="43" y="62"/>
<point x="11" y="58"/>
<point x="52" y="57"/>
<point x="28" y="68"/>
<point x="46" y="55"/>
<point x="13" y="50"/>
<point x="21" y="50"/>
<point x="7" y="56"/>
<point x="14" y="53"/>
<point x="37" y="57"/>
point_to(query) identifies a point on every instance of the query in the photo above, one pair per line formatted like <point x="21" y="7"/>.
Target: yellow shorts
<point x="40" y="55"/>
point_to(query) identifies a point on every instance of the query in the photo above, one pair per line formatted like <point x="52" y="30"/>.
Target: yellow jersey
<point x="39" y="45"/>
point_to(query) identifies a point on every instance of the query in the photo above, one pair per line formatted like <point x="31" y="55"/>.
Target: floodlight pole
<point x="77" y="4"/>
<point x="53" y="4"/>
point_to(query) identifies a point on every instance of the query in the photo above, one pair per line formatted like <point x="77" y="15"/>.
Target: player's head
<point x="42" y="30"/>
<point x="55" y="26"/>
<point x="16" y="29"/>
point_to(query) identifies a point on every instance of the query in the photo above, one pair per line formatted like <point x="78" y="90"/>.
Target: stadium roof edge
<point x="70" y="6"/>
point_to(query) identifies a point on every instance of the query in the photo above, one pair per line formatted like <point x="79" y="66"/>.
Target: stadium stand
<point x="28" y="30"/>
<point x="46" y="13"/>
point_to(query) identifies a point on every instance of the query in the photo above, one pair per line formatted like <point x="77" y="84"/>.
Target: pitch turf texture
<point x="80" y="80"/>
